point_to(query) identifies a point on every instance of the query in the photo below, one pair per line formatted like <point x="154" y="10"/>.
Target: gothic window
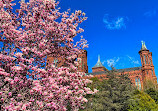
<point x="150" y="61"/>
<point x="142" y="60"/>
<point x="145" y="59"/>
<point x="55" y="62"/>
<point x="138" y="83"/>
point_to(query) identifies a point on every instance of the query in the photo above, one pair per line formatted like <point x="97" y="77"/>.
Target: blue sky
<point x="114" y="29"/>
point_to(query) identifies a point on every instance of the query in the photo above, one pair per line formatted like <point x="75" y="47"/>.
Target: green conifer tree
<point x="142" y="102"/>
<point x="153" y="94"/>
<point x="114" y="93"/>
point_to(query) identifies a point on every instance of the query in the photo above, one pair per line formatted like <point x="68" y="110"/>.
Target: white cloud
<point x="150" y="13"/>
<point x="136" y="62"/>
<point x="104" y="62"/>
<point x="133" y="61"/>
<point x="121" y="61"/>
<point x="111" y="62"/>
<point x="116" y="23"/>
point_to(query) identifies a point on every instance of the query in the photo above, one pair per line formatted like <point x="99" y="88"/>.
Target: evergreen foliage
<point x="114" y="93"/>
<point x="142" y="102"/>
<point x="149" y="84"/>
<point x="153" y="94"/>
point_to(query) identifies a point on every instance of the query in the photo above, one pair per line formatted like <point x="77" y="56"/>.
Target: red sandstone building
<point x="138" y="75"/>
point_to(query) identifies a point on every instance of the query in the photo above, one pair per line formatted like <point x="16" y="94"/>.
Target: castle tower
<point x="148" y="71"/>
<point x="83" y="67"/>
<point x="99" y="66"/>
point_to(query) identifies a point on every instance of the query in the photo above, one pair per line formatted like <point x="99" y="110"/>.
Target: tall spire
<point x="143" y="46"/>
<point x="99" y="64"/>
<point x="98" y="58"/>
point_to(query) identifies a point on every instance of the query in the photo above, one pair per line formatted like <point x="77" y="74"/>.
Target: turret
<point x="147" y="63"/>
<point x="83" y="67"/>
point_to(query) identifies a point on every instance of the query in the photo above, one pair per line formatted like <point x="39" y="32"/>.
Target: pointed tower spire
<point x="143" y="46"/>
<point x="98" y="64"/>
<point x="98" y="58"/>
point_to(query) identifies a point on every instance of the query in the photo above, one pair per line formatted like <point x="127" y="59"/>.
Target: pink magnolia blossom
<point x="38" y="31"/>
<point x="84" y="100"/>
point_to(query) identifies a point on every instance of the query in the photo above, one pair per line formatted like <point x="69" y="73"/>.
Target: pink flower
<point x="23" y="50"/>
<point x="2" y="99"/>
<point x="18" y="54"/>
<point x="69" y="92"/>
<point x="48" y="104"/>
<point x="88" y="81"/>
<point x="12" y="82"/>
<point x="41" y="44"/>
<point x="89" y="92"/>
<point x="76" y="87"/>
<point x="66" y="96"/>
<point x="84" y="100"/>
<point x="80" y="91"/>
<point x="12" y="99"/>
<point x="16" y="68"/>
<point x="7" y="79"/>
<point x="24" y="107"/>
<point x="95" y="90"/>
<point x="1" y="69"/>
<point x="73" y="31"/>
<point x="19" y="95"/>
<point x="45" y="93"/>
<point x="32" y="59"/>
<point x="16" y="79"/>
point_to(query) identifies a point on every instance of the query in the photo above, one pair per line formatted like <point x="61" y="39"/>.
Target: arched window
<point x="145" y="59"/>
<point x="138" y="83"/>
<point x="141" y="59"/>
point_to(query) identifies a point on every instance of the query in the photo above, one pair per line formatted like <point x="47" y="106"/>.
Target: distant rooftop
<point x="129" y="69"/>
<point x="118" y="70"/>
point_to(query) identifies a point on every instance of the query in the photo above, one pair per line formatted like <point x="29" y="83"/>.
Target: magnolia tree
<point x="28" y="35"/>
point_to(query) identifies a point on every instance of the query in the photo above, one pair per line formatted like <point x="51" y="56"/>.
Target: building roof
<point x="118" y="70"/>
<point x="97" y="73"/>
<point x="98" y="64"/>
<point x="129" y="69"/>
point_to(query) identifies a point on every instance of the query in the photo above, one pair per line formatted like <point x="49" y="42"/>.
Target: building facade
<point x="138" y="75"/>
